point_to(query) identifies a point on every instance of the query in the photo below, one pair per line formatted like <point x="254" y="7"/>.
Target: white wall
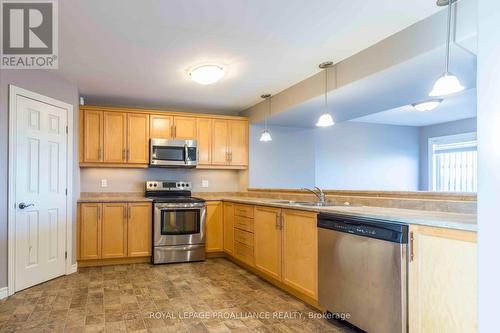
<point x="285" y="162"/>
<point x="488" y="126"/>
<point x="426" y="132"/>
<point x="362" y="156"/>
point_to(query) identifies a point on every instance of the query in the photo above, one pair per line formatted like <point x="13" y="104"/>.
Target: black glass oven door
<point x="180" y="222"/>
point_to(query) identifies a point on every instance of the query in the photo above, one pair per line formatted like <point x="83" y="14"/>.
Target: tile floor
<point x="211" y="296"/>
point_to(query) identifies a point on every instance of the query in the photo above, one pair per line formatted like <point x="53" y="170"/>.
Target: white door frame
<point x="11" y="209"/>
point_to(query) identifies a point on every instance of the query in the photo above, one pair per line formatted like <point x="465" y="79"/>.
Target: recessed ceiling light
<point x="206" y="74"/>
<point x="427" y="105"/>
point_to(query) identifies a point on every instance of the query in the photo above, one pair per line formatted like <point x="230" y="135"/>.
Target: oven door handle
<point x="178" y="208"/>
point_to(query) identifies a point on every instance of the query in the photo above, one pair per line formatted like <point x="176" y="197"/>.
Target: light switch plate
<point x="204" y="183"/>
<point x="104" y="183"/>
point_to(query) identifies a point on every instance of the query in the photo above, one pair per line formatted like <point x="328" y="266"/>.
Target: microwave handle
<point x="186" y="154"/>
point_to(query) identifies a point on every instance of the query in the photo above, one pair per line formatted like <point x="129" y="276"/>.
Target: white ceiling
<point x="130" y="52"/>
<point x="460" y="106"/>
<point x="393" y="89"/>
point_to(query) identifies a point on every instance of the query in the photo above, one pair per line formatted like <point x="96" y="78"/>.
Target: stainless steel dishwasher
<point x="362" y="269"/>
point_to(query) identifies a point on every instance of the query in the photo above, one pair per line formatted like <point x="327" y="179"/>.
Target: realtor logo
<point x="29" y="34"/>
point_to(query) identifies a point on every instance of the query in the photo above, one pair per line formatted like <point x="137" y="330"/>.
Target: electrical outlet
<point x="104" y="183"/>
<point x="204" y="183"/>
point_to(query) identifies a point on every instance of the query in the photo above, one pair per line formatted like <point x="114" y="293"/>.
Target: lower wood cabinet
<point x="300" y="251"/>
<point x="268" y="240"/>
<point x="442" y="280"/>
<point x="228" y="210"/>
<point x="214" y="228"/>
<point x="114" y="230"/>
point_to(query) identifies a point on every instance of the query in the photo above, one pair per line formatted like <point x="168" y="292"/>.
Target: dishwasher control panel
<point x="373" y="228"/>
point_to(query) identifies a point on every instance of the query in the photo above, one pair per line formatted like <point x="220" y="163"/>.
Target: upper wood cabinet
<point x="230" y="143"/>
<point x="161" y="127"/>
<point x="204" y="138"/>
<point x="137" y="138"/>
<point x="114" y="137"/>
<point x="442" y="295"/>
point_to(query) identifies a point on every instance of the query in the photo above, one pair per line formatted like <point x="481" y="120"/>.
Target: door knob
<point x="22" y="205"/>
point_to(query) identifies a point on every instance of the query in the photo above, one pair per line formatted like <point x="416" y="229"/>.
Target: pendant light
<point x="326" y="119"/>
<point x="448" y="83"/>
<point x="266" y="136"/>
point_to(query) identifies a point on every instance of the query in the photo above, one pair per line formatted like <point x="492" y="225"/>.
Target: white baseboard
<point x="4" y="292"/>
<point x="74" y="268"/>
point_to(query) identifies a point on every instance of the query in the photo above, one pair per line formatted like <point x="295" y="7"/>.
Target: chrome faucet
<point x="319" y="193"/>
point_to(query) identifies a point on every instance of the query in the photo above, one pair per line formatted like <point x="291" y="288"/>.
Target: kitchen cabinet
<point x="230" y="143"/>
<point x="93" y="136"/>
<point x="267" y="240"/>
<point x="139" y="229"/>
<point x="112" y="230"/>
<point x="119" y="137"/>
<point x="243" y="233"/>
<point x="90" y="230"/>
<point x="228" y="212"/>
<point x="137" y="138"/>
<point x="161" y="127"/>
<point x="115" y="140"/>
<point x="214" y="227"/>
<point x="204" y="138"/>
<point x="442" y="280"/>
<point x="300" y="251"/>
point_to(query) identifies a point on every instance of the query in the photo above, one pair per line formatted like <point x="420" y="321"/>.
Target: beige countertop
<point x="459" y="221"/>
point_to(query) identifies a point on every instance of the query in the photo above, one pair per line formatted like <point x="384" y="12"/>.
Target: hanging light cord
<point x="268" y="112"/>
<point x="448" y="37"/>
<point x="326" y="89"/>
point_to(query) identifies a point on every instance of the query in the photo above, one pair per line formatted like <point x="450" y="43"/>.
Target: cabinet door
<point x="214" y="227"/>
<point x="115" y="142"/>
<point x="267" y="240"/>
<point x="160" y="127"/>
<point x="114" y="230"/>
<point x="92" y="136"/>
<point x="220" y="142"/>
<point x="204" y="128"/>
<point x="90" y="231"/>
<point x="228" y="227"/>
<point x="300" y="251"/>
<point x="138" y="138"/>
<point x="139" y="225"/>
<point x="238" y="143"/>
<point x="442" y="280"/>
<point x="185" y="128"/>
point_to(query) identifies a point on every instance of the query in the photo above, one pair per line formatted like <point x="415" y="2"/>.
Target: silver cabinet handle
<point x="22" y="205"/>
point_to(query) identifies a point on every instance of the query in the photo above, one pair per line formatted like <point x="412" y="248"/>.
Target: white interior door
<point x="40" y="191"/>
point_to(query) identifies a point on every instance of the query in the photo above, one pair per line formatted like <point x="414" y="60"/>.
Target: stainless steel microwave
<point x="173" y="153"/>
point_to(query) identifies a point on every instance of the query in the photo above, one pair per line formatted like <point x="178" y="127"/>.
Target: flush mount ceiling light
<point x="266" y="136"/>
<point x="448" y="83"/>
<point x="206" y="74"/>
<point x="326" y="119"/>
<point x="427" y="105"/>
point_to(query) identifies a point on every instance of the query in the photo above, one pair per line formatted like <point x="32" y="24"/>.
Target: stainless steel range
<point x="178" y="222"/>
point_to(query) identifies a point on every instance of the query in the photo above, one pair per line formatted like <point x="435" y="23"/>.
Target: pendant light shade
<point x="448" y="83"/>
<point x="266" y="135"/>
<point x="326" y="119"/>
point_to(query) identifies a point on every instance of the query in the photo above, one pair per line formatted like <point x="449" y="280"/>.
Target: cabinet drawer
<point x="243" y="237"/>
<point x="244" y="253"/>
<point x="243" y="211"/>
<point x="243" y="223"/>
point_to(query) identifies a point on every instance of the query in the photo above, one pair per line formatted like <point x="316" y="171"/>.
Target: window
<point x="453" y="163"/>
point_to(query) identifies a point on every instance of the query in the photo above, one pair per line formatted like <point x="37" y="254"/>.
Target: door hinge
<point x="65" y="254"/>
<point x="66" y="191"/>
<point x="66" y="129"/>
